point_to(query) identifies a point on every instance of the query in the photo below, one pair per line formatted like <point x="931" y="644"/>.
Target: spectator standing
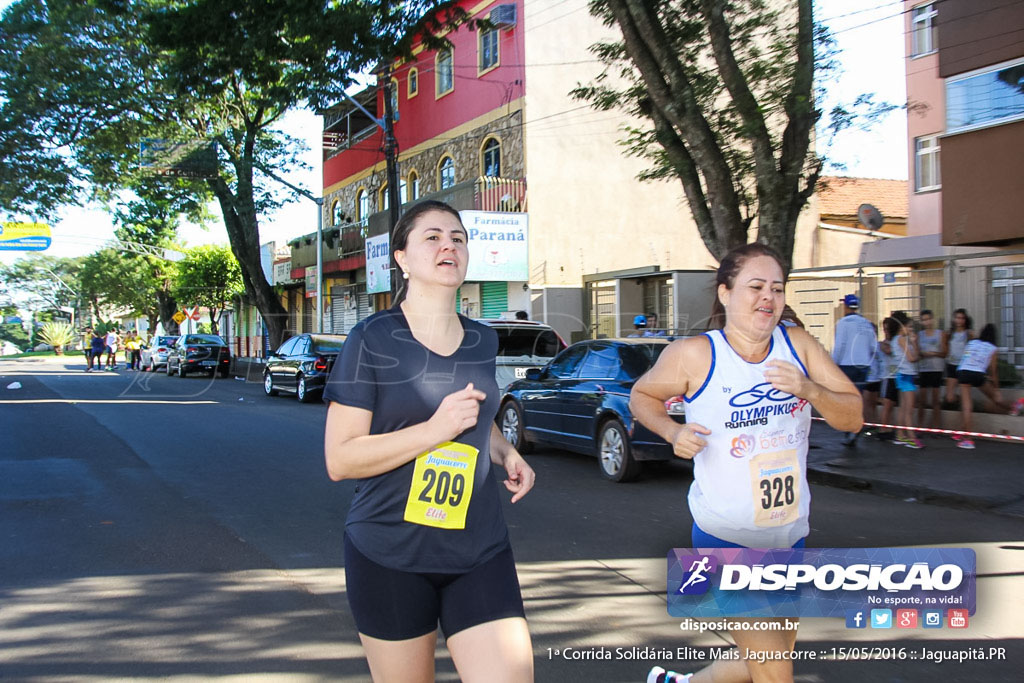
<point x="96" y="347"/>
<point x="959" y="334"/>
<point x="855" y="344"/>
<point x="133" y="348"/>
<point x="652" y="326"/>
<point x="932" y="345"/>
<point x="873" y="383"/>
<point x="905" y="356"/>
<point x="887" y="388"/>
<point x="521" y="315"/>
<point x="87" y="347"/>
<point x="977" y="369"/>
<point x="112" y="341"/>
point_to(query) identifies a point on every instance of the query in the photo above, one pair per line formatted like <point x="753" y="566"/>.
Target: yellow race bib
<point x="775" y="478"/>
<point x="442" y="484"/>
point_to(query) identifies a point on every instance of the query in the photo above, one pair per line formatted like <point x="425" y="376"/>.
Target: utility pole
<point x="391" y="158"/>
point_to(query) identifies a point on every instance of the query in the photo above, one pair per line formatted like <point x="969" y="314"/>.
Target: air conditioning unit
<point x="503" y="16"/>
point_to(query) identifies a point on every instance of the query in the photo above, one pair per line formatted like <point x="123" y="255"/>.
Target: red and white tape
<point x="930" y="430"/>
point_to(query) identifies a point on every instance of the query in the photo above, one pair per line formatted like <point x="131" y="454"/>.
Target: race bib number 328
<point x="442" y="484"/>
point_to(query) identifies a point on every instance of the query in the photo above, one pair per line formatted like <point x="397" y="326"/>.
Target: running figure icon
<point x="697" y="570"/>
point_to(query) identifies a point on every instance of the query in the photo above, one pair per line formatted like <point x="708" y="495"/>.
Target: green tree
<point x="42" y="282"/>
<point x="728" y="89"/>
<point x="208" y="276"/>
<point x="13" y="332"/>
<point x="82" y="82"/>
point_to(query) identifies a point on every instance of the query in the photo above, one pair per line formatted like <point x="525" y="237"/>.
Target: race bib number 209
<point x="442" y="484"/>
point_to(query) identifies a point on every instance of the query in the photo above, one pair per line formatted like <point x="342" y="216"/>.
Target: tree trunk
<point x="242" y="234"/>
<point x="168" y="307"/>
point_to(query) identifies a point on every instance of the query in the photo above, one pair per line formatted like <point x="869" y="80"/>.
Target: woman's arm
<point x="993" y="370"/>
<point x="909" y="346"/>
<point x="670" y="377"/>
<point x="353" y="453"/>
<point x="520" y="475"/>
<point x="944" y="350"/>
<point x="827" y="389"/>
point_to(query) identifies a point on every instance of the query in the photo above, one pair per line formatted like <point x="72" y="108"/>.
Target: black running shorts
<point x="394" y="605"/>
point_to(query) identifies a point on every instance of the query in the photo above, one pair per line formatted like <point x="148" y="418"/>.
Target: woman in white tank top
<point x="956" y="340"/>
<point x="977" y="368"/>
<point x="749" y="387"/>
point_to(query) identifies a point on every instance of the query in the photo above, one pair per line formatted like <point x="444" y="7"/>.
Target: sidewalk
<point x="990" y="478"/>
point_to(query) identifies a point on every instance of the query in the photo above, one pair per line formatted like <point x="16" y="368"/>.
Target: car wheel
<point x="268" y="385"/>
<point x="301" y="391"/>
<point x="512" y="427"/>
<point x="169" y="373"/>
<point x="181" y="370"/>
<point x="614" y="454"/>
<point x="224" y="372"/>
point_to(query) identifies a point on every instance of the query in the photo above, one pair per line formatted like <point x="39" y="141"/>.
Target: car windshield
<point x="204" y="339"/>
<point x="327" y="344"/>
<point x="527" y="341"/>
<point x="638" y="358"/>
<point x="166" y="341"/>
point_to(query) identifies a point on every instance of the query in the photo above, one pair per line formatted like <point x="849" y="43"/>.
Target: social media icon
<point x="881" y="618"/>
<point x="906" y="618"/>
<point x="856" y="618"/>
<point x="931" y="618"/>
<point x="957" y="618"/>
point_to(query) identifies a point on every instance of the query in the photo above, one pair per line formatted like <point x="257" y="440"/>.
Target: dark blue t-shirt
<point x="383" y="369"/>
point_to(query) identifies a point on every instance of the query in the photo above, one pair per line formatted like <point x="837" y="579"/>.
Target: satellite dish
<point x="870" y="217"/>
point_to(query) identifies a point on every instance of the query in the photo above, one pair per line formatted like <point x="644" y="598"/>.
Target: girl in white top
<point x="931" y="366"/>
<point x="978" y="369"/>
<point x="905" y="355"/>
<point x="956" y="340"/>
<point x="749" y="386"/>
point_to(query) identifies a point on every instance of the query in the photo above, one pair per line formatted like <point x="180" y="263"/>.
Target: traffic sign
<point x="179" y="317"/>
<point x="195" y="313"/>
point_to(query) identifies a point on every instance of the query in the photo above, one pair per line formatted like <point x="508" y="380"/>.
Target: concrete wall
<point x="559" y="307"/>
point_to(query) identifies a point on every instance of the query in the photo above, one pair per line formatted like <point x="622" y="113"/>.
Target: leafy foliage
<point x="58" y="334"/>
<point x="208" y="276"/>
<point x="42" y="280"/>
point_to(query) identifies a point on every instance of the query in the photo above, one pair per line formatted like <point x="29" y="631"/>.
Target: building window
<point x="383" y="198"/>
<point x="490" y="157"/>
<point x="403" y="191"/>
<point x="445" y="74"/>
<point x="446" y="173"/>
<point x="362" y="204"/>
<point x="926" y="164"/>
<point x="394" y="99"/>
<point x="488" y="49"/>
<point x="414" y="185"/>
<point x="994" y="96"/>
<point x="923" y="31"/>
<point x="414" y="82"/>
<point x="336" y="217"/>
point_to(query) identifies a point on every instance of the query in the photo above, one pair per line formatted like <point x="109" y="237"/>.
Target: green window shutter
<point x="494" y="297"/>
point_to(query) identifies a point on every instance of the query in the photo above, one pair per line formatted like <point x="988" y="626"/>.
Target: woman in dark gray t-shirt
<point x="412" y="403"/>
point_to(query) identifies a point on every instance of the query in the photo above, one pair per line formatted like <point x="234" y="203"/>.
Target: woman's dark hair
<point x="730" y="266"/>
<point x="400" y="236"/>
<point x="988" y="334"/>
<point x="789" y="314"/>
<point x="891" y="327"/>
<point x="968" y="323"/>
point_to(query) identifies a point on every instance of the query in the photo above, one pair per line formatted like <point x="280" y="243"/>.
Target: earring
<point x="405" y="275"/>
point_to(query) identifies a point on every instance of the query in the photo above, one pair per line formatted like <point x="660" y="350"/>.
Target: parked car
<point x="301" y="365"/>
<point x="154" y="354"/>
<point x="580" y="401"/>
<point x="522" y="344"/>
<point x="199" y="353"/>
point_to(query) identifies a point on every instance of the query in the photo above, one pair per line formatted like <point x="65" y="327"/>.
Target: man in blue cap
<point x="639" y="325"/>
<point x="855" y="345"/>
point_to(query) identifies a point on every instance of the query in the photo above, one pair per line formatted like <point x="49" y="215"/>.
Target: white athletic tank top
<point x="750" y="482"/>
<point x="977" y="356"/>
<point x="899" y="356"/>
<point x="930" y="342"/>
<point x="957" y="342"/>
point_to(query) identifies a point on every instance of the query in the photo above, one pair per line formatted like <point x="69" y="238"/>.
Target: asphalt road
<point x="157" y="527"/>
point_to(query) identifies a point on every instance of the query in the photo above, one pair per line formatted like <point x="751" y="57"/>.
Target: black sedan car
<point x="199" y="353"/>
<point x="301" y="365"/>
<point x="580" y="401"/>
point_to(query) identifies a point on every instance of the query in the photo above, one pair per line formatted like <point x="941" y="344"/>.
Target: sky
<point x="870" y="39"/>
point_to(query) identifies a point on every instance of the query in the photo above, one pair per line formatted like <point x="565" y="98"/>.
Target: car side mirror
<point x="534" y="374"/>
